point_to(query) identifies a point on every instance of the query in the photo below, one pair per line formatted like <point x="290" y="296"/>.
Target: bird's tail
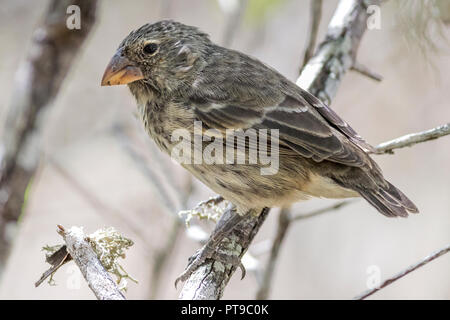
<point x="389" y="201"/>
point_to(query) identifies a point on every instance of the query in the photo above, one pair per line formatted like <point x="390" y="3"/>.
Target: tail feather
<point x="389" y="201"/>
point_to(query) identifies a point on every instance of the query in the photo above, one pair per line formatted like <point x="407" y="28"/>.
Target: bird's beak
<point x="121" y="70"/>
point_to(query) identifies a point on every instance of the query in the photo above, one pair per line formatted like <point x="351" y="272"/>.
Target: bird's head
<point x="164" y="56"/>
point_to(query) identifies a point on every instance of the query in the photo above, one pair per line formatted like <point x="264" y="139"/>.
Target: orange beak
<point x="120" y="70"/>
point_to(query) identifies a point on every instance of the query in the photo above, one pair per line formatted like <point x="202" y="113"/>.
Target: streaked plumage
<point x="191" y="79"/>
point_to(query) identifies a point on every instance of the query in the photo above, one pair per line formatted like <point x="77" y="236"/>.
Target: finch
<point x="179" y="76"/>
<point x="181" y="79"/>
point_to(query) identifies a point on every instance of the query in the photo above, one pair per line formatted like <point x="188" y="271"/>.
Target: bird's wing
<point x="305" y="125"/>
<point x="336" y="121"/>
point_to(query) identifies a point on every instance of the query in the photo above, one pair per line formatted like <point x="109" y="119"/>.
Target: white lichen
<point x="211" y="210"/>
<point x="110" y="246"/>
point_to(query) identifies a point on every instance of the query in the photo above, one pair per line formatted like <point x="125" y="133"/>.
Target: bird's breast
<point x="166" y="122"/>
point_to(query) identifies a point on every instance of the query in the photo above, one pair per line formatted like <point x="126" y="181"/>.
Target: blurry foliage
<point x="423" y="23"/>
<point x="26" y="196"/>
<point x="258" y="10"/>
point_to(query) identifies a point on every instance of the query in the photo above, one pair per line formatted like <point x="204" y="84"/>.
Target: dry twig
<point x="284" y="221"/>
<point x="81" y="251"/>
<point x="316" y="16"/>
<point x="403" y="273"/>
<point x="412" y="139"/>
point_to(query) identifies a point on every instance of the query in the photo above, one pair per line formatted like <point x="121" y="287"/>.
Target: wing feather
<point x="301" y="127"/>
<point x="334" y="119"/>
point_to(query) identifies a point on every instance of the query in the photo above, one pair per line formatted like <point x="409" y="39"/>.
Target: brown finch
<point x="178" y="76"/>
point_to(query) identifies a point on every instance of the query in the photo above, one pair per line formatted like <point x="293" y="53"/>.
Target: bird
<point x="180" y="78"/>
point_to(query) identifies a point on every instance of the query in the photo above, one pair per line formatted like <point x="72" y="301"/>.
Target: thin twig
<point x="362" y="69"/>
<point x="336" y="206"/>
<point x="412" y="139"/>
<point x="284" y="222"/>
<point x="163" y="255"/>
<point x="57" y="259"/>
<point x="315" y="17"/>
<point x="403" y="273"/>
<point x="142" y="165"/>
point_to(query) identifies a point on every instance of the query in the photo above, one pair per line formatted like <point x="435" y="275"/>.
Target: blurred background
<point x="89" y="177"/>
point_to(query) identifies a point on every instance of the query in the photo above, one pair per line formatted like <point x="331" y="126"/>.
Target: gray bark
<point x="52" y="52"/>
<point x="93" y="271"/>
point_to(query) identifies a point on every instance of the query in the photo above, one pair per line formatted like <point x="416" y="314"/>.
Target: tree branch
<point x="362" y="69"/>
<point x="321" y="76"/>
<point x="209" y="281"/>
<point x="316" y="16"/>
<point x="93" y="271"/>
<point x="284" y="222"/>
<point x="53" y="49"/>
<point x="412" y="139"/>
<point x="337" y="53"/>
<point x="403" y="273"/>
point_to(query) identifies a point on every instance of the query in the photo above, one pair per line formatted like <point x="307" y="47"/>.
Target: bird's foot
<point x="212" y="249"/>
<point x="209" y="252"/>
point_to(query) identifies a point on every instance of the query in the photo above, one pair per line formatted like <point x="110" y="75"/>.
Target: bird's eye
<point x="150" y="48"/>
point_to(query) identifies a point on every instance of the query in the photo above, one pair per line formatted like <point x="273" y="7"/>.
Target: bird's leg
<point x="224" y="226"/>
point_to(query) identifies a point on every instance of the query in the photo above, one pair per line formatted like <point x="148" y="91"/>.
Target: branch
<point x="412" y="139"/>
<point x="316" y="16"/>
<point x="286" y="219"/>
<point x="403" y="273"/>
<point x="362" y="69"/>
<point x="284" y="222"/>
<point x="53" y="50"/>
<point x="337" y="53"/>
<point x="209" y="281"/>
<point x="334" y="207"/>
<point x="234" y="19"/>
<point x="162" y="256"/>
<point x="184" y="194"/>
<point x="321" y="76"/>
<point x="93" y="271"/>
<point x="147" y="171"/>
